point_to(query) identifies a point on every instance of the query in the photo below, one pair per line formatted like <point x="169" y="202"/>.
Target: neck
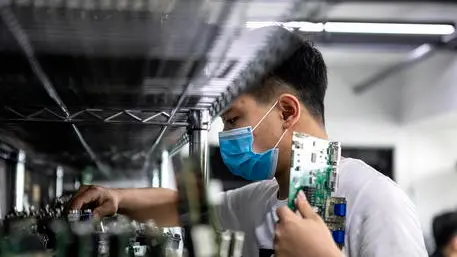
<point x="283" y="183"/>
<point x="282" y="174"/>
<point x="449" y="253"/>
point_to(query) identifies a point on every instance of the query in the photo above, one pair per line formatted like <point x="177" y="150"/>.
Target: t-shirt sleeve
<point x="228" y="210"/>
<point x="388" y="223"/>
<point x="234" y="209"/>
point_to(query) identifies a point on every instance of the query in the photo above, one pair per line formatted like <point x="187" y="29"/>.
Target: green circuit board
<point x="314" y="170"/>
<point x="314" y="164"/>
<point x="316" y="194"/>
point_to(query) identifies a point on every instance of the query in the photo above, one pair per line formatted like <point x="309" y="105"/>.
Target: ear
<point x="453" y="243"/>
<point x="289" y="106"/>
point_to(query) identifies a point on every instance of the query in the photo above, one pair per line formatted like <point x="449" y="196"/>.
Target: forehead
<point x="241" y="103"/>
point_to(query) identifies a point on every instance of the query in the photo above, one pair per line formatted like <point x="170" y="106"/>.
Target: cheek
<point x="265" y="139"/>
<point x="259" y="144"/>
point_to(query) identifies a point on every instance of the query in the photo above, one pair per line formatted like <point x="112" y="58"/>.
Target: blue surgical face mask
<point x="237" y="153"/>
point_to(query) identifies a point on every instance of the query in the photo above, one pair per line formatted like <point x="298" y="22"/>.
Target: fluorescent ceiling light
<point x="389" y="28"/>
<point x="304" y="26"/>
<point x="291" y="25"/>
<point x="360" y="27"/>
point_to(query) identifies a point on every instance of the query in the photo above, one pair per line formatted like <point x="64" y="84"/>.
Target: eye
<point x="231" y="121"/>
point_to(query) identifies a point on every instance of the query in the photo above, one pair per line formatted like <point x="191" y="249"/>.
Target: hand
<point x="304" y="235"/>
<point x="105" y="200"/>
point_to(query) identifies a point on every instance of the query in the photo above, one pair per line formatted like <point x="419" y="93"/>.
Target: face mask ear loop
<point x="283" y="133"/>
<point x="264" y="116"/>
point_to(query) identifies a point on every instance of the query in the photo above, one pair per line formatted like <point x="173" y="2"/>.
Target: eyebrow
<point x="226" y="111"/>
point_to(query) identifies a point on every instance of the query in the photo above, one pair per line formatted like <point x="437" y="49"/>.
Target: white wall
<point x="432" y="88"/>
<point x="369" y="119"/>
<point x="394" y="113"/>
<point x="378" y="104"/>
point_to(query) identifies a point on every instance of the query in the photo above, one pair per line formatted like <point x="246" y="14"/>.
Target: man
<point x="256" y="144"/>
<point x="445" y="234"/>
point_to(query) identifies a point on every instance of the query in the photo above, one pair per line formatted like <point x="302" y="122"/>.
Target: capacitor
<point x="74" y="215"/>
<point x="340" y="209"/>
<point x="85" y="215"/>
<point x="338" y="236"/>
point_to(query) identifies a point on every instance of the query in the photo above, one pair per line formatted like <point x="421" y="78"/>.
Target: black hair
<point x="303" y="74"/>
<point x="444" y="229"/>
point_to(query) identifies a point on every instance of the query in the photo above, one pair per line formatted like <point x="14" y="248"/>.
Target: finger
<point x="105" y="209"/>
<point x="302" y="204"/>
<point x="81" y="190"/>
<point x="89" y="196"/>
<point x="284" y="213"/>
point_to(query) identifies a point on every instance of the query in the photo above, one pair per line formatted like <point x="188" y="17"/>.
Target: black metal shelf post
<point x="199" y="125"/>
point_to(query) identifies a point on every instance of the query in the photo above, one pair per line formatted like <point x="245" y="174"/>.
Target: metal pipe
<point x="3" y="189"/>
<point x="80" y="121"/>
<point x="155" y="178"/>
<point x="198" y="129"/>
<point x="420" y="53"/>
<point x="417" y="55"/>
<point x="20" y="181"/>
<point x="59" y="181"/>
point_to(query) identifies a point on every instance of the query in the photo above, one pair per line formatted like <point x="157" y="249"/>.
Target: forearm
<point x="142" y="204"/>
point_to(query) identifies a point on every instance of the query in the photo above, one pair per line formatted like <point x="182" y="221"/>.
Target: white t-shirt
<point x="381" y="220"/>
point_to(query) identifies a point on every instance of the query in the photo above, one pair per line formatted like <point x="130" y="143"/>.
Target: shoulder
<point x="382" y="220"/>
<point x="371" y="196"/>
<point x="240" y="207"/>
<point x="260" y="189"/>
<point x="357" y="178"/>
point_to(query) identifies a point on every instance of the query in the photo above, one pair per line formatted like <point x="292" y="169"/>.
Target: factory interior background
<point x="391" y="101"/>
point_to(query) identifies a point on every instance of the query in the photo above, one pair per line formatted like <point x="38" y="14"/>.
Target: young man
<point x="256" y="144"/>
<point x="445" y="234"/>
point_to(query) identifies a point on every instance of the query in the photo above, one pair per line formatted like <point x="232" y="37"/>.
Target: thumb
<point x="304" y="207"/>
<point x="283" y="212"/>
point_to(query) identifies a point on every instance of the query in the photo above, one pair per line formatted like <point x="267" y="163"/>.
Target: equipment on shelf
<point x="314" y="170"/>
<point x="54" y="231"/>
<point x="79" y="234"/>
<point x="49" y="232"/>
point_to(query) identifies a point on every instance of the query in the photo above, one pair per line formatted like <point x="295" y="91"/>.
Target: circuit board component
<point x="314" y="170"/>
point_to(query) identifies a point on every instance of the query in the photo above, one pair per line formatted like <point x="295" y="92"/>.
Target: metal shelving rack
<point x="55" y="39"/>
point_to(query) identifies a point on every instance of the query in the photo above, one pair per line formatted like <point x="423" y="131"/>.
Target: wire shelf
<point x="107" y="80"/>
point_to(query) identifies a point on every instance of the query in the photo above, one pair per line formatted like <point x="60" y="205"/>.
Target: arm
<point x="159" y="204"/>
